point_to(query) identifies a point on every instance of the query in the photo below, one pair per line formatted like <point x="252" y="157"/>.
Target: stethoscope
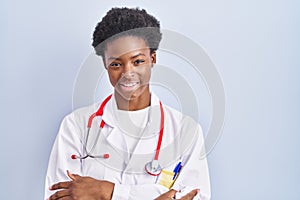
<point x="153" y="167"/>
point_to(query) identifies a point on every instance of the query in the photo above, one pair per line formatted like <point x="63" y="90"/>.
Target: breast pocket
<point x="169" y="174"/>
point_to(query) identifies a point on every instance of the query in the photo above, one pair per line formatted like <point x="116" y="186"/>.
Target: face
<point x="129" y="62"/>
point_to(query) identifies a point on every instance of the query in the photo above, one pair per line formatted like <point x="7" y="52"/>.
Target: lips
<point x="129" y="86"/>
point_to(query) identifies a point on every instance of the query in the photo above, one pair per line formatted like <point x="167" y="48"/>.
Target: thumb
<point x="72" y="176"/>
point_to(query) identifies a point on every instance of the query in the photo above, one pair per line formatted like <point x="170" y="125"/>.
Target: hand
<point x="171" y="194"/>
<point x="190" y="195"/>
<point x="167" y="196"/>
<point x="82" y="188"/>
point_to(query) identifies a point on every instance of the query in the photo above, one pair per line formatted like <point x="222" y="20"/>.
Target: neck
<point x="137" y="103"/>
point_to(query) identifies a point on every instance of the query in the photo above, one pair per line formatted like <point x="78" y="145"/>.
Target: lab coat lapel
<point x="112" y="134"/>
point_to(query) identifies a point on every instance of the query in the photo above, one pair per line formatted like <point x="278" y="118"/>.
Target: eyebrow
<point x="137" y="55"/>
<point x="132" y="57"/>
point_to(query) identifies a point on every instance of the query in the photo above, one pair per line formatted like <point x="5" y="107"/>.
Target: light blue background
<point x="254" y="44"/>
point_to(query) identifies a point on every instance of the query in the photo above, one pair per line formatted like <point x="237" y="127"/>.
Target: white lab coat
<point x="182" y="141"/>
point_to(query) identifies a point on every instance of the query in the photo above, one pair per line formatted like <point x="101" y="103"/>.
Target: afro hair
<point x="120" y="22"/>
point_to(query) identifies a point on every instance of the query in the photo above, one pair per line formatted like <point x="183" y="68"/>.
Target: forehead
<point x="125" y="45"/>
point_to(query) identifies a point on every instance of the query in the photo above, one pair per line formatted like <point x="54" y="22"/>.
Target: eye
<point x="114" y="65"/>
<point x="139" y="61"/>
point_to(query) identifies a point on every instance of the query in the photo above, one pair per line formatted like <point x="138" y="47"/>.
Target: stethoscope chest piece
<point x="153" y="168"/>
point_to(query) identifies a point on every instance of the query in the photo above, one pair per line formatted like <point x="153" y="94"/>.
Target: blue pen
<point x="176" y="170"/>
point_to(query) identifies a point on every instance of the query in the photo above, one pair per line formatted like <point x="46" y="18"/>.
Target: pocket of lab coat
<point x="167" y="177"/>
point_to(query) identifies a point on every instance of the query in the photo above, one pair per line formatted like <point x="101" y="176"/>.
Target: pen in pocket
<point x="177" y="170"/>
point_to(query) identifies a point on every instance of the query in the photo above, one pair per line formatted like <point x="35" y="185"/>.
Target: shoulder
<point x="171" y="114"/>
<point x="73" y="125"/>
<point x="179" y="118"/>
<point x="78" y="118"/>
<point x="82" y="112"/>
<point x="183" y="128"/>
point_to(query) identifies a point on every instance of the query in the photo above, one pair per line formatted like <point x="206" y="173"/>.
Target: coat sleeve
<point x="194" y="173"/>
<point x="137" y="192"/>
<point x="67" y="142"/>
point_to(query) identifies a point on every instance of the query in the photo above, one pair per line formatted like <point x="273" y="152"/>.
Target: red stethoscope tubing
<point x="89" y="125"/>
<point x="161" y="131"/>
<point x="100" y="112"/>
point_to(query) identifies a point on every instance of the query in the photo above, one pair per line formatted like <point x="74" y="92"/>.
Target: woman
<point x="143" y="149"/>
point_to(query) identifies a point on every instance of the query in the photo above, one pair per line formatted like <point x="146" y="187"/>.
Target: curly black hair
<point x="126" y="22"/>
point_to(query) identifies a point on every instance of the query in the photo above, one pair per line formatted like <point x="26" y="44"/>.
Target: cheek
<point x="146" y="74"/>
<point x="114" y="77"/>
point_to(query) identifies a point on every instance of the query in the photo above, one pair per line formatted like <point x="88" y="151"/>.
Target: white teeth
<point x="128" y="84"/>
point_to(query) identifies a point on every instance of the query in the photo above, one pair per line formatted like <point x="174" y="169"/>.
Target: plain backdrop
<point x="254" y="45"/>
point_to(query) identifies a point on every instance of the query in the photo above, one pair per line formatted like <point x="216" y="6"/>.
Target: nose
<point x="128" y="68"/>
<point x="128" y="74"/>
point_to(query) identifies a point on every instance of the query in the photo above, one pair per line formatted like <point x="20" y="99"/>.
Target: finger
<point x="171" y="193"/>
<point x="60" y="194"/>
<point x="190" y="195"/>
<point x="66" y="198"/>
<point x="60" y="185"/>
<point x="72" y="176"/>
<point x="167" y="195"/>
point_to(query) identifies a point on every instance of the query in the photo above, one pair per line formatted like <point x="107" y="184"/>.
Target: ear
<point x="153" y="57"/>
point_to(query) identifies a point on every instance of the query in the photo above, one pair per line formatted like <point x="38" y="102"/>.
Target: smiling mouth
<point x="130" y="84"/>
